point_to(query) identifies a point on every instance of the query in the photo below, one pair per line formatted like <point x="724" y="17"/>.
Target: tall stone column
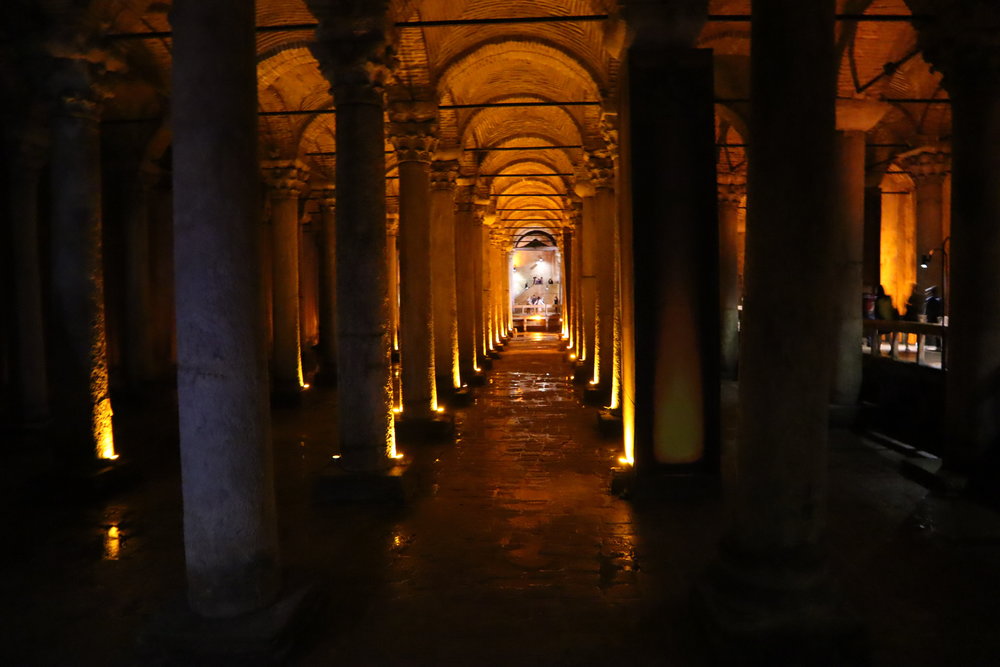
<point x="28" y="151"/>
<point x="479" y="287"/>
<point x="443" y="275"/>
<point x="964" y="44"/>
<point x="413" y="137"/>
<point x="854" y="118"/>
<point x="352" y="54"/>
<point x="928" y="166"/>
<point x="465" y="282"/>
<point x="328" y="285"/>
<point x="392" y="261"/>
<point x="80" y="384"/>
<point x="600" y="165"/>
<point x="673" y="250"/>
<point x="768" y="593"/>
<point x="567" y="285"/>
<point x="576" y="217"/>
<point x="587" y="233"/>
<point x="732" y="188"/>
<point x="286" y="179"/>
<point x="489" y="336"/>
<point x="139" y="311"/>
<point x="230" y="527"/>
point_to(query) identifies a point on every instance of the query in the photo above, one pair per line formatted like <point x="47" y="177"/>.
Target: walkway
<point x="515" y="553"/>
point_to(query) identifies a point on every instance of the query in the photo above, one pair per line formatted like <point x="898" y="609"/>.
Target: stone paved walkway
<point x="513" y="554"/>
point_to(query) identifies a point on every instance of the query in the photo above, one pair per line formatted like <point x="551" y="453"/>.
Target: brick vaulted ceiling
<point x="537" y="62"/>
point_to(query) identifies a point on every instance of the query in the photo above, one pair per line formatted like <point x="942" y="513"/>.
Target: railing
<point x="874" y="329"/>
<point x="538" y="314"/>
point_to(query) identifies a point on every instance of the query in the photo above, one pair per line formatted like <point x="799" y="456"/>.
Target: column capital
<point x="859" y="114"/>
<point x="353" y="48"/>
<point x="732" y="188"/>
<point x="601" y="168"/>
<point x="444" y="175"/>
<point x="77" y="69"/>
<point x="413" y="130"/>
<point x="285" y="179"/>
<point x="962" y="42"/>
<point x="927" y="164"/>
<point x="664" y="23"/>
<point x="328" y="196"/>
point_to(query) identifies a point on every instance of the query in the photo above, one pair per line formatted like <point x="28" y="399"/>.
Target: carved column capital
<point x="78" y="69"/>
<point x="413" y="130"/>
<point x="732" y="188"/>
<point x="444" y="175"/>
<point x="353" y="47"/>
<point x="601" y="169"/>
<point x="963" y="43"/>
<point x="927" y="164"/>
<point x="286" y="179"/>
<point x="328" y="197"/>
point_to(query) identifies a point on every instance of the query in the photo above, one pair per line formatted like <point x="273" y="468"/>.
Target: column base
<point x="582" y="372"/>
<point x="99" y="478"/>
<point x="478" y="378"/>
<point x="461" y="398"/>
<point x="264" y="637"/>
<point x="596" y="395"/>
<point x="627" y="483"/>
<point x="844" y="416"/>
<point x="286" y="395"/>
<point x="495" y="353"/>
<point x="776" y="610"/>
<point x="609" y="423"/>
<point x="326" y="376"/>
<point x="336" y="485"/>
<point x="426" y="429"/>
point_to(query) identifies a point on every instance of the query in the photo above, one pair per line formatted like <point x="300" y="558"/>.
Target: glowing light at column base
<point x="104" y="439"/>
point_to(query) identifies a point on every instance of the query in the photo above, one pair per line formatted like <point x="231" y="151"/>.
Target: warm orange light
<point x="440" y="409"/>
<point x="306" y="385"/>
<point x="397" y="410"/>
<point x="104" y="438"/>
<point x="626" y="460"/>
<point x="112" y="543"/>
<point x="572" y="357"/>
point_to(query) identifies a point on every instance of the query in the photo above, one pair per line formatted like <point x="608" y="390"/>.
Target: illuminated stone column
<point x="576" y="216"/>
<point x="672" y="237"/>
<point x="413" y="137"/>
<point x="567" y="285"/>
<point x="286" y="179"/>
<point x="28" y="151"/>
<point x="601" y="168"/>
<point x="732" y="188"/>
<point x="328" y="285"/>
<point x="365" y="426"/>
<point x="479" y="287"/>
<point x="929" y="167"/>
<point x="444" y="275"/>
<point x="139" y="310"/>
<point x="230" y="528"/>
<point x="80" y="385"/>
<point x="854" y="118"/>
<point x="487" y="302"/>
<point x="964" y="44"/>
<point x="587" y="234"/>
<point x="392" y="261"/>
<point x="465" y="283"/>
<point x="768" y="593"/>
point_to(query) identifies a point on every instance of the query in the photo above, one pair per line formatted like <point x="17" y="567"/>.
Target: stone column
<point x="328" y="285"/>
<point x="29" y="150"/>
<point x="928" y="166"/>
<point x="854" y="118"/>
<point x="443" y="275"/>
<point x="356" y="69"/>
<point x="413" y="137"/>
<point x="964" y="44"/>
<point x="732" y="188"/>
<point x="286" y="179"/>
<point x="392" y="261"/>
<point x="601" y="168"/>
<point x="479" y="287"/>
<point x="567" y="285"/>
<point x="309" y="289"/>
<point x="79" y="341"/>
<point x="465" y="281"/>
<point x="230" y="528"/>
<point x="576" y="216"/>
<point x="587" y="233"/>
<point x="674" y="255"/>
<point x="139" y="314"/>
<point x="485" y="249"/>
<point x="768" y="593"/>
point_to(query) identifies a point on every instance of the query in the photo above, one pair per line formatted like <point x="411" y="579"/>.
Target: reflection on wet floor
<point x="514" y="553"/>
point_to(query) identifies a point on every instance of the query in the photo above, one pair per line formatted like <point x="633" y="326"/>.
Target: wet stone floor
<point x="513" y="551"/>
